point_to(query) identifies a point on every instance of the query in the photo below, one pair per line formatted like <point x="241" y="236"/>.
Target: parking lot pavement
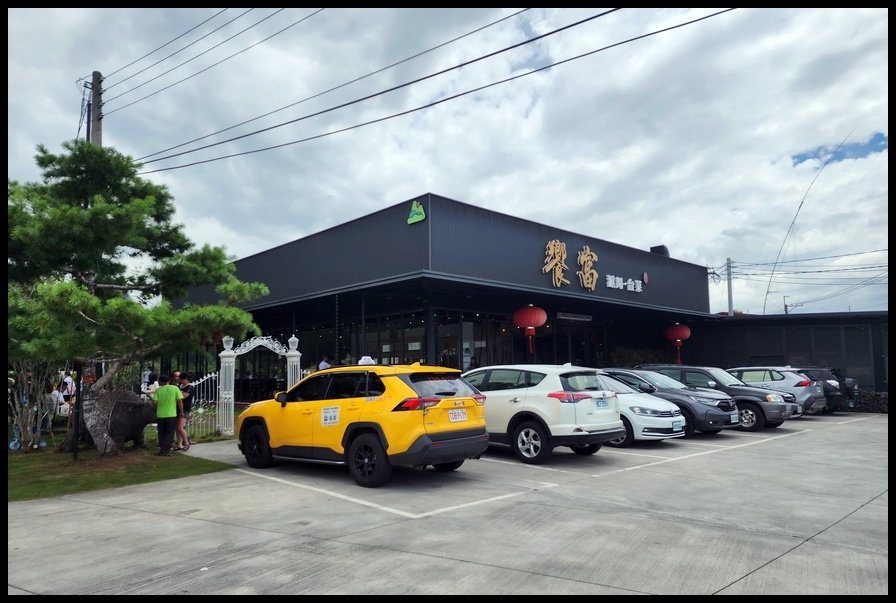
<point x="802" y="509"/>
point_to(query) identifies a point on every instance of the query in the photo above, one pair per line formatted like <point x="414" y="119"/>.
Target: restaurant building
<point x="443" y="282"/>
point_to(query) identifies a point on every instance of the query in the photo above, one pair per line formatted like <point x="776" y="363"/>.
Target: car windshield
<point x="724" y="377"/>
<point x="662" y="381"/>
<point x="616" y="385"/>
<point x="440" y="384"/>
<point x="581" y="381"/>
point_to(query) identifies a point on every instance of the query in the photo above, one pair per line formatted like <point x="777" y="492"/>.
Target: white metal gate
<point x="227" y="374"/>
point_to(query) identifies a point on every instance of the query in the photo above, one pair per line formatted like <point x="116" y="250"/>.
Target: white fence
<point x="204" y="412"/>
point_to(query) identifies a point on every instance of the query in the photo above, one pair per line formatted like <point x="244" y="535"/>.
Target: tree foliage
<point x="96" y="265"/>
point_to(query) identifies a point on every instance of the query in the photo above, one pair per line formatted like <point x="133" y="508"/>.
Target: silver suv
<point x="808" y="392"/>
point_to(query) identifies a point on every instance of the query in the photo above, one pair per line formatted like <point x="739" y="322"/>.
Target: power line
<point x="178" y="66"/>
<point x="428" y="105"/>
<point x="793" y="222"/>
<point x="357" y="79"/>
<point x="222" y="60"/>
<point x="824" y="257"/>
<point x="382" y="92"/>
<point x="167" y="43"/>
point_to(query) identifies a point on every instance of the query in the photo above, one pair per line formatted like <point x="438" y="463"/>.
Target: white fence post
<point x="226" y="383"/>
<point x="293" y="362"/>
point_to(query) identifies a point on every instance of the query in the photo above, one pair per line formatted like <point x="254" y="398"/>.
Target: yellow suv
<point x="370" y="418"/>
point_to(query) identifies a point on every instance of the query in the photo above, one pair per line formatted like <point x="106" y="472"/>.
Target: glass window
<point x="439" y="384"/>
<point x="344" y="385"/>
<point x="313" y="388"/>
<point x="695" y="378"/>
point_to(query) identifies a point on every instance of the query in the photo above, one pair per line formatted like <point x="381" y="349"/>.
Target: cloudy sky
<point x="759" y="135"/>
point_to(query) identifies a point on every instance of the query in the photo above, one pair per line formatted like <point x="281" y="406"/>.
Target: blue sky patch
<point x="854" y="150"/>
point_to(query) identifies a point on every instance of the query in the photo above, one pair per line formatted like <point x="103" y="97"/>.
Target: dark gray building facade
<point x="439" y="281"/>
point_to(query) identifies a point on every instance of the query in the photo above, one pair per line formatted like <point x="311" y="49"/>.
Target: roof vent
<point x="660" y="249"/>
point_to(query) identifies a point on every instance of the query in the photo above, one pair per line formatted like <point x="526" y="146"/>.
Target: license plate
<point x="456" y="415"/>
<point x="602" y="403"/>
<point x="676" y="425"/>
<point x="735" y="417"/>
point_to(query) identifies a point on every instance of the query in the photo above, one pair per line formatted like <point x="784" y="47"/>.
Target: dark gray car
<point x="705" y="410"/>
<point x="759" y="407"/>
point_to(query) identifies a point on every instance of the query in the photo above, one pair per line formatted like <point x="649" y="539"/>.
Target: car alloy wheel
<point x="530" y="443"/>
<point x="751" y="418"/>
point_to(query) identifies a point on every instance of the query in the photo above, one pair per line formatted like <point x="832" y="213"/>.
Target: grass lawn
<point x="44" y="472"/>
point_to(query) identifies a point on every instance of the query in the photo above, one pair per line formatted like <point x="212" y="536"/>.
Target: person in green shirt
<point x="168" y="400"/>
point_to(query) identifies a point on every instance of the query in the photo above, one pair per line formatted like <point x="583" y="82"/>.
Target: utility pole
<point x="785" y="304"/>
<point x="95" y="136"/>
<point x="730" y="296"/>
<point x="96" y="106"/>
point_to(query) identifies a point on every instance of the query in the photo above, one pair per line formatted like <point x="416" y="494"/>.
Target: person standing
<point x="181" y="436"/>
<point x="168" y="400"/>
<point x="67" y="387"/>
<point x="324" y="362"/>
<point x="150" y="386"/>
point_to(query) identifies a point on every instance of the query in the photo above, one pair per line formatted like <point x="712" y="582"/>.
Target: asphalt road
<point x="802" y="509"/>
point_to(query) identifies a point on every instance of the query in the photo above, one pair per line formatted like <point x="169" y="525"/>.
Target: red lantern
<point x="528" y="318"/>
<point x="677" y="333"/>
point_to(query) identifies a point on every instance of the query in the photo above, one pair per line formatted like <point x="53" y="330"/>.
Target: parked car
<point x="644" y="416"/>
<point x="705" y="410"/>
<point x="848" y="385"/>
<point x="370" y="418"/>
<point x="834" y="390"/>
<point x="808" y="392"/>
<point x="759" y="407"/>
<point x="534" y="408"/>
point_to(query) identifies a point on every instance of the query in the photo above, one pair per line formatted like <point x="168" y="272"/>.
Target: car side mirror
<point x="281" y="398"/>
<point x="646" y="388"/>
<point x="711" y="384"/>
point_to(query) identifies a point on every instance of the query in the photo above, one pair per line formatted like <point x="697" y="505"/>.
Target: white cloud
<point x="685" y="138"/>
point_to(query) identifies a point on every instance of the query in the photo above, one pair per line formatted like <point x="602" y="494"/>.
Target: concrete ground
<point x="802" y="509"/>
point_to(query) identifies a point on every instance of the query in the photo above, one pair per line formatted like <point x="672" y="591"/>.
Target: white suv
<point x="533" y="408"/>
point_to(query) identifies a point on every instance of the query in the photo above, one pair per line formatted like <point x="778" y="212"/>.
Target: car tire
<point x="448" y="466"/>
<point x="751" y="417"/>
<point x="586" y="450"/>
<point x="773" y="425"/>
<point x="367" y="461"/>
<point x="689" y="428"/>
<point x="256" y="448"/>
<point x="531" y="443"/>
<point x="625" y="440"/>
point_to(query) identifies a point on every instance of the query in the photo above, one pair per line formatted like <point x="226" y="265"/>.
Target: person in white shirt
<point x="324" y="362"/>
<point x="150" y="386"/>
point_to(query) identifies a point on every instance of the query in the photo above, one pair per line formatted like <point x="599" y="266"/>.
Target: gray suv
<point x="759" y="407"/>
<point x="808" y="392"/>
<point x="705" y="410"/>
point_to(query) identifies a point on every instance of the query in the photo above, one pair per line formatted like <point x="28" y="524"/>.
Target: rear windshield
<point x="581" y="381"/>
<point x="442" y="385"/>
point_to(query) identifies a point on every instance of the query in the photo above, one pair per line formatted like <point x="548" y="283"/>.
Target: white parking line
<point x="386" y="509"/>
<point x="517" y="464"/>
<point x="629" y="453"/>
<point x="708" y="445"/>
<point x="689" y="456"/>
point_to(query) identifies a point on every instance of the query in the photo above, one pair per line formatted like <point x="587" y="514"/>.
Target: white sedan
<point x="645" y="416"/>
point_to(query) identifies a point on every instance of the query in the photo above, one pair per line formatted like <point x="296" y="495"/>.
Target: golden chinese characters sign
<point x="589" y="278"/>
<point x="555" y="262"/>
